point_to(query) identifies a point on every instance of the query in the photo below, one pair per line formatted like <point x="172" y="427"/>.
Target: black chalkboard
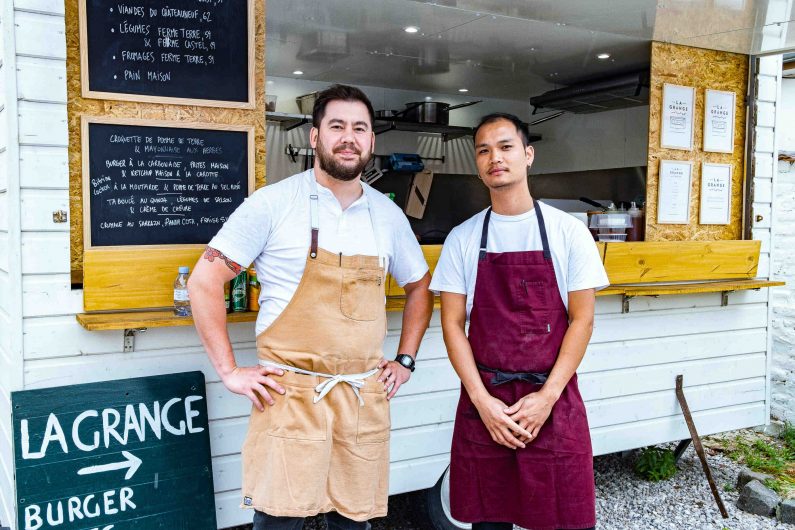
<point x="157" y="185"/>
<point x="129" y="454"/>
<point x="196" y="49"/>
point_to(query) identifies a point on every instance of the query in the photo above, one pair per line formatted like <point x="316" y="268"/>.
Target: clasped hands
<point x="517" y="425"/>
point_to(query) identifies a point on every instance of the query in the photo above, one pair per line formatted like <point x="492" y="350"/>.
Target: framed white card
<point x="716" y="192"/>
<point x="719" y="121"/>
<point x="677" y="117"/>
<point x="673" y="192"/>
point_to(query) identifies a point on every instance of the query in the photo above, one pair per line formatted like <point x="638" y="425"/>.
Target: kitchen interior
<point x="432" y="70"/>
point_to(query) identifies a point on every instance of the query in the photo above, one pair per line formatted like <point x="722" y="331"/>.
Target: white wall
<point x="572" y="142"/>
<point x="10" y="273"/>
<point x="783" y="263"/>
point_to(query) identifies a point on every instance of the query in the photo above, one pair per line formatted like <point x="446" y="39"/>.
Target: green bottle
<point x="239" y="298"/>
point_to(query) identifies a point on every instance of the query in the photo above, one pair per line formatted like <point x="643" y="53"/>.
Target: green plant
<point x="728" y="487"/>
<point x="655" y="463"/>
<point x="788" y="437"/>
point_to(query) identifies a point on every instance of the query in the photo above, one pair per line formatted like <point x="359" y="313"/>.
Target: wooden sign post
<point x="117" y="455"/>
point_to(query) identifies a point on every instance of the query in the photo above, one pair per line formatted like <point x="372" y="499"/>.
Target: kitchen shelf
<point x="449" y="132"/>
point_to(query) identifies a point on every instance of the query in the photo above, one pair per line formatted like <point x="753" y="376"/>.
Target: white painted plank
<point x="763" y="235"/>
<point x="601" y="385"/>
<point x="41" y="373"/>
<point x="767" y="88"/>
<point x="633" y="435"/>
<point x="3" y="155"/>
<point x="7" y="497"/>
<point x="4" y="212"/>
<point x="769" y="66"/>
<point x="431" y="347"/>
<point x="50" y="295"/>
<point x="641" y="407"/>
<point x="228" y="512"/>
<point x="40" y="35"/>
<point x="763" y="165"/>
<point x="611" y="305"/>
<point x="38" y="208"/>
<point x="53" y="7"/>
<point x="41" y="79"/>
<point x="7" y="359"/>
<point x="763" y="191"/>
<point x="763" y="271"/>
<point x="425" y="441"/>
<point x="62" y="336"/>
<point x="43" y="124"/>
<point x="45" y="253"/>
<point x="4" y="266"/>
<point x="5" y="336"/>
<point x="43" y="167"/>
<point x="226" y="436"/>
<point x="668" y="323"/>
<point x="765" y="139"/>
<point x="765" y="114"/>
<point x="607" y="356"/>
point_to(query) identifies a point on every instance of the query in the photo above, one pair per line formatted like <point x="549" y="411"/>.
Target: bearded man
<point x="322" y="242"/>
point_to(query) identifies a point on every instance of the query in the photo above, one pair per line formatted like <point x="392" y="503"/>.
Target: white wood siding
<point x="627" y="377"/>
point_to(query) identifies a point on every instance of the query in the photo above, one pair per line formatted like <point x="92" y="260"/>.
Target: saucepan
<point x="434" y="112"/>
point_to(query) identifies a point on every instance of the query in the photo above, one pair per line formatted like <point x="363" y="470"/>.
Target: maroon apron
<point x="517" y="325"/>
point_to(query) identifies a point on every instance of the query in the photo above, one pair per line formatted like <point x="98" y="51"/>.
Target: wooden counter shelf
<point x="148" y="319"/>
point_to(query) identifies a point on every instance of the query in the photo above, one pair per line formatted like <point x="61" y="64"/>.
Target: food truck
<point x="672" y="107"/>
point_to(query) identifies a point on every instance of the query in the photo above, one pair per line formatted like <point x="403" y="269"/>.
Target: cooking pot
<point x="434" y="112"/>
<point x="388" y="114"/>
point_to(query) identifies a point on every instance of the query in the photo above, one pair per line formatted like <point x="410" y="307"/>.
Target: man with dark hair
<point x="524" y="274"/>
<point x="322" y="242"/>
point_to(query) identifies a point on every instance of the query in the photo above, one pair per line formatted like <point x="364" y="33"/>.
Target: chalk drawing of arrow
<point x="131" y="461"/>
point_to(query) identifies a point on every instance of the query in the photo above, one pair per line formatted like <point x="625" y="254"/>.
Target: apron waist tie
<point x="500" y="377"/>
<point x="355" y="381"/>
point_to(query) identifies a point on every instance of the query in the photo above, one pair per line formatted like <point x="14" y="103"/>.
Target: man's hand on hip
<point x="250" y="381"/>
<point x="392" y="374"/>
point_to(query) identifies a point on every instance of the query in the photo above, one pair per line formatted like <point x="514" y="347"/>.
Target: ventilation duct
<point x="626" y="90"/>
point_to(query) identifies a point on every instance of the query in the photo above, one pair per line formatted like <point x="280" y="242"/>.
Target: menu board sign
<point x="677" y="117"/>
<point x="719" y="121"/>
<point x="194" y="52"/>
<point x="673" y="199"/>
<point x="162" y="183"/>
<point x="716" y="186"/>
<point x="129" y="454"/>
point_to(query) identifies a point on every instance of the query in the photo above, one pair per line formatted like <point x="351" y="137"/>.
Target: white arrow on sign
<point x="131" y="461"/>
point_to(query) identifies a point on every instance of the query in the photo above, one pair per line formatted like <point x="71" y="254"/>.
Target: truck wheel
<point x="438" y="503"/>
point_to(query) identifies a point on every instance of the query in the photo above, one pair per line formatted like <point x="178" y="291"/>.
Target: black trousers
<point x="502" y="526"/>
<point x="334" y="521"/>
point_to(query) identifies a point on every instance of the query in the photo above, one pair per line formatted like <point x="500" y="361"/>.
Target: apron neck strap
<point x="484" y="235"/>
<point x="543" y="229"/>
<point x="314" y="208"/>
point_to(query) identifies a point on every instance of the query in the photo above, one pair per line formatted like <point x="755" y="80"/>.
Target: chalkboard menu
<point x="147" y="50"/>
<point x="130" y="454"/>
<point x="158" y="184"/>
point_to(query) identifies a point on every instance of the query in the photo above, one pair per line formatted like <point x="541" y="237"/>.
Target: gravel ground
<point x="624" y="501"/>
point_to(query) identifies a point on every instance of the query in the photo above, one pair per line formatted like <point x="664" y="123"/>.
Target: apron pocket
<point x="362" y="295"/>
<point x="374" y="422"/>
<point x="295" y="416"/>
<point x="530" y="294"/>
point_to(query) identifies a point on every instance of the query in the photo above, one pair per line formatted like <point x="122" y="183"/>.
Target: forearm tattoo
<point x="210" y="254"/>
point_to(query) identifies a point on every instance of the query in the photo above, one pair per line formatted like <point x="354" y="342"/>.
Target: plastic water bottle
<point x="181" y="299"/>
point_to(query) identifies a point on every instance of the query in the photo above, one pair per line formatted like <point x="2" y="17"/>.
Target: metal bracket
<point x="625" y="298"/>
<point x="129" y="338"/>
<point x="724" y="298"/>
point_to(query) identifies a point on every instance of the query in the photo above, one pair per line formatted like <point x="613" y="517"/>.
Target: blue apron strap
<point x="543" y="229"/>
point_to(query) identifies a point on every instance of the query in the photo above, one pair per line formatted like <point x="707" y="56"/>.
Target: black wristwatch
<point x="406" y="361"/>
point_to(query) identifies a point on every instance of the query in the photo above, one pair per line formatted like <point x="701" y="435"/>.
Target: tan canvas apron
<point x="324" y="445"/>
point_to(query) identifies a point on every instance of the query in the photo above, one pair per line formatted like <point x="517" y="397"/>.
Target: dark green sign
<point x="119" y="455"/>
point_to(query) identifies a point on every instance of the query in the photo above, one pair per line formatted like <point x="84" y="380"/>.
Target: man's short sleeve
<point x="408" y="263"/>
<point x="586" y="270"/>
<point x="450" y="275"/>
<point x="243" y="236"/>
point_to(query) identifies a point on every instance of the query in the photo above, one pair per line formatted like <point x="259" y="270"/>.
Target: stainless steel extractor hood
<point x="626" y="90"/>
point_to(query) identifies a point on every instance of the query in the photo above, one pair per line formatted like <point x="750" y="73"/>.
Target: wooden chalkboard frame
<point x="93" y="94"/>
<point x="85" y="121"/>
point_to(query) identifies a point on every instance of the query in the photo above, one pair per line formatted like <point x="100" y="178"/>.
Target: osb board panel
<point x="77" y="107"/>
<point x="701" y="69"/>
<point x="715" y="25"/>
<point x="674" y="261"/>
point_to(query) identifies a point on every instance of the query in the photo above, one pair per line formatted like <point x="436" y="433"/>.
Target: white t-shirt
<point x="574" y="254"/>
<point x="272" y="228"/>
